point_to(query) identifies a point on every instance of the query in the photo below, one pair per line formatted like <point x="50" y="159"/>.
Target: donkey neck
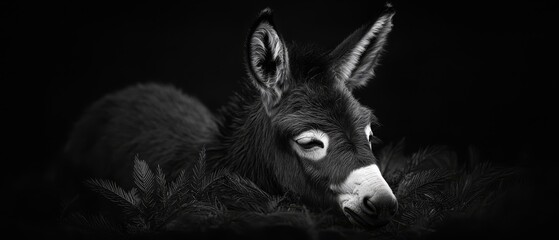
<point x="246" y="143"/>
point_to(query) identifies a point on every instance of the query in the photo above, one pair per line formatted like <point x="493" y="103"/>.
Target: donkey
<point x="295" y="126"/>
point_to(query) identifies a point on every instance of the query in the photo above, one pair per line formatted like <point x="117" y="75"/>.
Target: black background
<point x="459" y="74"/>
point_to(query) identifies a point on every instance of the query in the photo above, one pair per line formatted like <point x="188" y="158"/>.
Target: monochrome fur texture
<point x="291" y="90"/>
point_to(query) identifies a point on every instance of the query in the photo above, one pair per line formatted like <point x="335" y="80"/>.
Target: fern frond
<point x="210" y="179"/>
<point x="242" y="193"/>
<point x="162" y="190"/>
<point x="246" y="186"/>
<point x="161" y="180"/>
<point x="481" y="180"/>
<point x="198" y="172"/>
<point x="432" y="157"/>
<point x="177" y="193"/>
<point x="421" y="219"/>
<point x="143" y="176"/>
<point x="180" y="182"/>
<point x="425" y="153"/>
<point x="423" y="182"/>
<point x="114" y="193"/>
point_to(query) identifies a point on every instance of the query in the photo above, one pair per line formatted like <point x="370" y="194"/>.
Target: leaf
<point x="428" y="181"/>
<point x="198" y="172"/>
<point x="421" y="219"/>
<point x="480" y="181"/>
<point x="143" y="176"/>
<point x="114" y="193"/>
<point x="210" y="179"/>
<point x="161" y="180"/>
<point x="240" y="193"/>
<point x="177" y="193"/>
<point x="433" y="157"/>
<point x="161" y="186"/>
<point x="177" y="184"/>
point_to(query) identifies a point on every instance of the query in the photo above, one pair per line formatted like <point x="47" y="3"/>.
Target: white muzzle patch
<point x="361" y="184"/>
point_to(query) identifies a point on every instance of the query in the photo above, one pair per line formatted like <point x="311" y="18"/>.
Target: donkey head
<point x="323" y="133"/>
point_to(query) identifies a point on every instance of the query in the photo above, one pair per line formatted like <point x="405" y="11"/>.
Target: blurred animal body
<point x="295" y="127"/>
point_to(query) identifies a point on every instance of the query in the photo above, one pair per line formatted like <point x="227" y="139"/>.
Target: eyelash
<point x="311" y="144"/>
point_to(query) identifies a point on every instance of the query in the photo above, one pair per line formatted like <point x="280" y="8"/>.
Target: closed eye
<point x="312" y="144"/>
<point x="309" y="144"/>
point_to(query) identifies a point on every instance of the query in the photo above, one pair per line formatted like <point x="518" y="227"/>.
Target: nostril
<point x="369" y="206"/>
<point x="383" y="208"/>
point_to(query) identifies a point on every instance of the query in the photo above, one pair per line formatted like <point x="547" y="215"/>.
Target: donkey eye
<point x="309" y="143"/>
<point x="312" y="144"/>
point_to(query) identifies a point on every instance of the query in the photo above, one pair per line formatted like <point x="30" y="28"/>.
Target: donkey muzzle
<point x="365" y="197"/>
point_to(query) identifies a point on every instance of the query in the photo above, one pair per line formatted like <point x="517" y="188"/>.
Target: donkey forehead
<point x="319" y="106"/>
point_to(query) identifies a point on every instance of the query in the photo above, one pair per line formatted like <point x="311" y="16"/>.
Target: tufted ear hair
<point x="268" y="62"/>
<point x="355" y="59"/>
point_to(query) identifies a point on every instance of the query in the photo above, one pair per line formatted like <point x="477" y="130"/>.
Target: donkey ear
<point x="354" y="60"/>
<point x="268" y="63"/>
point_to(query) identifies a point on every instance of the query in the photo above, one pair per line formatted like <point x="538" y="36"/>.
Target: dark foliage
<point x="431" y="186"/>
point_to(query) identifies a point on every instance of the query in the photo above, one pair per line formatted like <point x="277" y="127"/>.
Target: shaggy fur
<point x="154" y="121"/>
